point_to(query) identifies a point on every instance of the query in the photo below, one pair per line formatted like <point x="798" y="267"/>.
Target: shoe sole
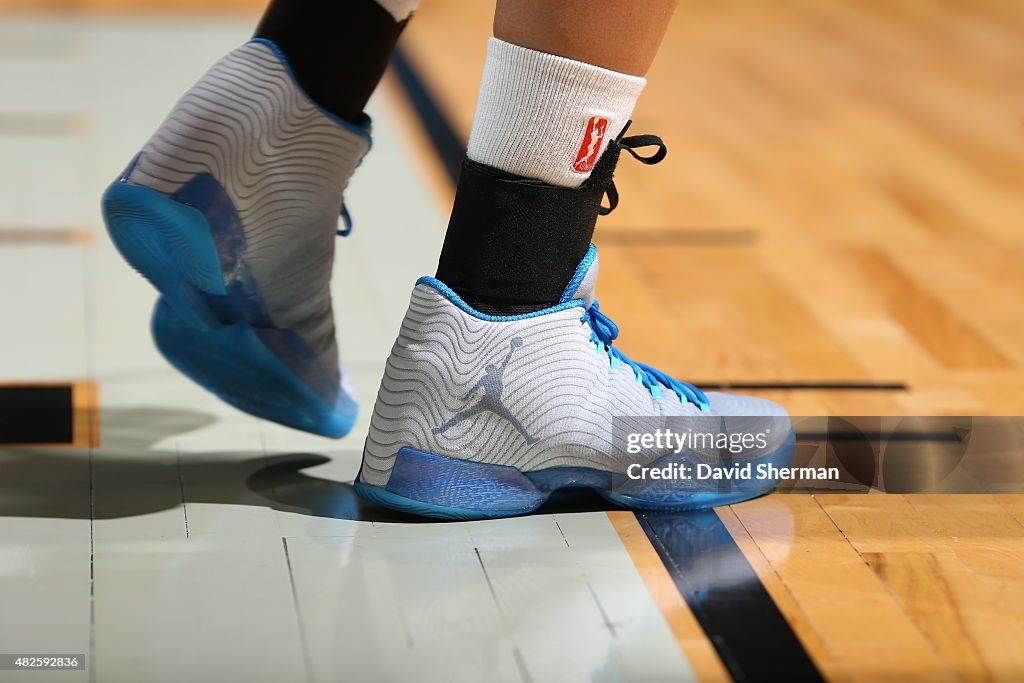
<point x="171" y="245"/>
<point x="442" y="487"/>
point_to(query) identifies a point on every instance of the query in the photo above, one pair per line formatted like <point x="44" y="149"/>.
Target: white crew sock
<point x="547" y="117"/>
<point x="399" y="9"/>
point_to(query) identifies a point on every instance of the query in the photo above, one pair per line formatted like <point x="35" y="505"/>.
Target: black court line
<point x="806" y="386"/>
<point x="754" y="640"/>
<point x="36" y="415"/>
<point x="450" y="147"/>
<point x="746" y="628"/>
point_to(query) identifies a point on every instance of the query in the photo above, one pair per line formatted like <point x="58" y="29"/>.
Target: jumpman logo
<point x="493" y="386"/>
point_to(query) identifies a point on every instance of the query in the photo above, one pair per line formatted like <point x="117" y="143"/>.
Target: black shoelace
<point x="631" y="144"/>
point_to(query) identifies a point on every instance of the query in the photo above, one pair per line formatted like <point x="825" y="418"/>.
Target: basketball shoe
<point x="483" y="416"/>
<point x="231" y="211"/>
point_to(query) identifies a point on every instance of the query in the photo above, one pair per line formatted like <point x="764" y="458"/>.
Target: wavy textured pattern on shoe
<point x="530" y="394"/>
<point x="283" y="164"/>
<point x="269" y="372"/>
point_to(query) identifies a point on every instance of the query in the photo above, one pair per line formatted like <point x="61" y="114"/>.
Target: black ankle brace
<point x="514" y="243"/>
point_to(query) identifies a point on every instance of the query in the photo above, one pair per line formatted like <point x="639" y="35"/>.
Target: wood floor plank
<point x="827" y="284"/>
<point x="816" y="647"/>
<point x="699" y="651"/>
<point x="849" y="608"/>
<point x="176" y="610"/>
<point x="945" y="558"/>
<point x="46" y="590"/>
<point x="380" y="605"/>
<point x="981" y="532"/>
<point x="1014" y="504"/>
<point x="941" y="598"/>
<point x="981" y="291"/>
<point x="642" y="645"/>
<point x="947" y="337"/>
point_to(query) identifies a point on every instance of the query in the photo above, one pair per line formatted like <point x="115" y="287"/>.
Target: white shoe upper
<point x="283" y="163"/>
<point x="531" y="392"/>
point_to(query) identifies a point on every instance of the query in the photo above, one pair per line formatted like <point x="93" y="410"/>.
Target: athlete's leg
<point x="231" y="209"/>
<point x="560" y="81"/>
<point x="337" y="49"/>
<point x="559" y="85"/>
<point x="621" y="36"/>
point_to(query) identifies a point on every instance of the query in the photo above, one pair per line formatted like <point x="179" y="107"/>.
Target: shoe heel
<point x="449" y="488"/>
<point x="233" y="362"/>
<point x="168" y="243"/>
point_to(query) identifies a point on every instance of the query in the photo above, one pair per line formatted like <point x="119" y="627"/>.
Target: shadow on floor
<point x="127" y="477"/>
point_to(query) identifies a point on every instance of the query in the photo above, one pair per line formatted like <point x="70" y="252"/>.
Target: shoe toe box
<point x="738" y="405"/>
<point x="754" y="415"/>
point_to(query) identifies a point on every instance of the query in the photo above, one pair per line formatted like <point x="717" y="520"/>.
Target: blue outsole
<point x="387" y="499"/>
<point x="232" y="362"/>
<point x="442" y="479"/>
<point x="171" y="245"/>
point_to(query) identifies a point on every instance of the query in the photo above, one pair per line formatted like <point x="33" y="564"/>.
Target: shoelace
<point x="603" y="329"/>
<point x="604" y="332"/>
<point x="631" y="144"/>
<point x="346" y="219"/>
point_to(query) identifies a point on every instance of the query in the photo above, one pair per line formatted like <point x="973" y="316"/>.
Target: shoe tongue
<point x="584" y="280"/>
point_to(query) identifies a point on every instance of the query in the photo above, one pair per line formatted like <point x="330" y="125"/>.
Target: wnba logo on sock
<point x="597" y="127"/>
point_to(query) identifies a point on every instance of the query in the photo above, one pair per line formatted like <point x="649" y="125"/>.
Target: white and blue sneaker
<point x="482" y="416"/>
<point x="231" y="211"/>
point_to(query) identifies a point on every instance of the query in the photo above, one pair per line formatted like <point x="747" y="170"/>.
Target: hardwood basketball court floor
<point x="837" y="227"/>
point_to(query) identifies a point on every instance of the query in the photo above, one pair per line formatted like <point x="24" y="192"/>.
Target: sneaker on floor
<point x="482" y="416"/>
<point x="231" y="211"/>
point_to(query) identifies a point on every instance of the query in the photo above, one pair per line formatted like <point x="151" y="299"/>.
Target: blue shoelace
<point x="603" y="333"/>
<point x="603" y="329"/>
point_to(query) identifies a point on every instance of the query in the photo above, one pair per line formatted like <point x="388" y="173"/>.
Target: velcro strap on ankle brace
<point x="502" y="201"/>
<point x="496" y="215"/>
